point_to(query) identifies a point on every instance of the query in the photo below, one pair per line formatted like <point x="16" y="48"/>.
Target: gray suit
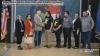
<point x="38" y="23"/>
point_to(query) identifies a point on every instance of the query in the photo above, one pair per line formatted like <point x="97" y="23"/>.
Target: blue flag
<point x="98" y="19"/>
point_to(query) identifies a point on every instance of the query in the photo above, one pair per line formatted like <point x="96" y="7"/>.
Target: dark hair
<point x="85" y="11"/>
<point x="67" y="12"/>
<point x="28" y="15"/>
<point x="59" y="15"/>
<point x="77" y="14"/>
<point x="49" y="13"/>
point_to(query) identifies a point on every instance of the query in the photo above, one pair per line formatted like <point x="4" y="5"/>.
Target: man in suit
<point x="38" y="28"/>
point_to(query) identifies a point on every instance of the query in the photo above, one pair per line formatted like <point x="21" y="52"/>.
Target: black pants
<point x="67" y="34"/>
<point x="76" y="38"/>
<point x="19" y="39"/>
<point x="58" y="39"/>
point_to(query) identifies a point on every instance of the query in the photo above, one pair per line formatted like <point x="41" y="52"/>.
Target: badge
<point x="55" y="23"/>
<point x="46" y="21"/>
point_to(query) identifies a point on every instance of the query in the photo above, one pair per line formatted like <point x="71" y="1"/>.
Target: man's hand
<point x="77" y="32"/>
<point x="22" y="30"/>
<point x="90" y="30"/>
<point x="42" y="25"/>
<point x="55" y="29"/>
<point x="49" y="31"/>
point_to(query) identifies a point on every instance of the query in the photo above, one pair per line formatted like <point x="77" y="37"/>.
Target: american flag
<point x="4" y="17"/>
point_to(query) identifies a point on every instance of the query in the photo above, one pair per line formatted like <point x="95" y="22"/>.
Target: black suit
<point x="18" y="33"/>
<point x="77" y="26"/>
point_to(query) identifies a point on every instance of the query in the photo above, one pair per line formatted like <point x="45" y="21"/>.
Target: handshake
<point x="43" y="24"/>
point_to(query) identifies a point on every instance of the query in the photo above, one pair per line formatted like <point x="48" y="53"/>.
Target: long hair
<point x="59" y="15"/>
<point x="49" y="13"/>
<point x="28" y="15"/>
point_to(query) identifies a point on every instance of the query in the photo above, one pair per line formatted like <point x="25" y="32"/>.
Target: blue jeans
<point x="86" y="37"/>
<point x="37" y="39"/>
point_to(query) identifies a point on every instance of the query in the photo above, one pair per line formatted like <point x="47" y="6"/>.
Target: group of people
<point x="59" y="25"/>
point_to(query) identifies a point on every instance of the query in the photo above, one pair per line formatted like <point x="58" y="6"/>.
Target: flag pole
<point x="80" y="7"/>
<point x="5" y="43"/>
<point x="80" y="15"/>
<point x="14" y="18"/>
<point x="5" y="46"/>
<point x="12" y="23"/>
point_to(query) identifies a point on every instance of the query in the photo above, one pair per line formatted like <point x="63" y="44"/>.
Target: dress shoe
<point x="64" y="46"/>
<point x="59" y="46"/>
<point x="68" y="47"/>
<point x="76" y="47"/>
<point x="20" y="48"/>
<point x="46" y="46"/>
<point x="56" y="46"/>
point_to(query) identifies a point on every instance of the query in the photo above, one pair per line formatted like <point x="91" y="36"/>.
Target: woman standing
<point x="48" y="27"/>
<point x="28" y="29"/>
<point x="57" y="26"/>
<point x="76" y="30"/>
<point x="19" y="31"/>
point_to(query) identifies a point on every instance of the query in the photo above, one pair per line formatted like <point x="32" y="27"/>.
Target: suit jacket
<point x="18" y="28"/>
<point x="38" y="23"/>
<point x="77" y="24"/>
<point x="28" y="26"/>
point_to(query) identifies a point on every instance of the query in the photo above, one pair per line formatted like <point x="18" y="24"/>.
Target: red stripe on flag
<point x="4" y="21"/>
